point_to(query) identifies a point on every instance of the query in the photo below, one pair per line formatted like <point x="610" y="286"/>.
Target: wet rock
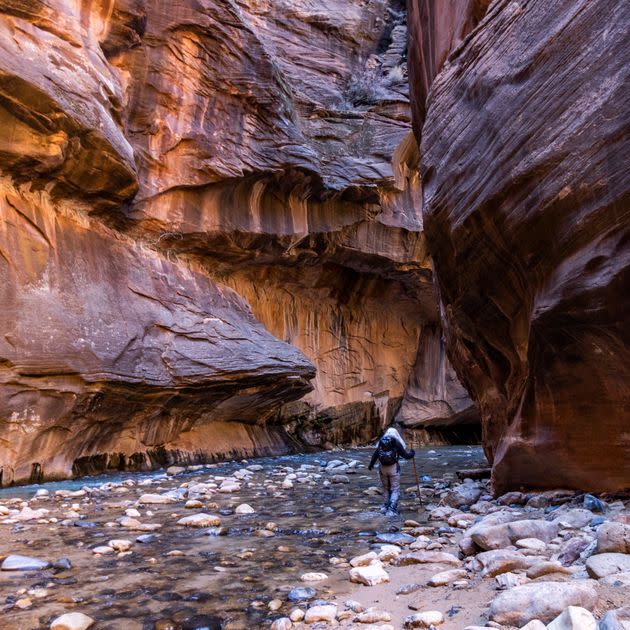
<point x="463" y="494"/>
<point x="447" y="577"/>
<point x="103" y="550"/>
<point x="369" y="576"/>
<point x="175" y="470"/>
<point x="313" y="577"/>
<point x="512" y="498"/>
<point x="200" y="520"/>
<point x="23" y="563"/>
<point x="340" y="479"/>
<point x="63" y="564"/>
<point x="284" y="623"/>
<point x="325" y="612"/>
<point x="594" y="504"/>
<point x="573" y="618"/>
<point x="193" y="504"/>
<point x="274" y="604"/>
<point x="72" y="621"/>
<point x="603" y="564"/>
<point x="120" y="544"/>
<point x="301" y="593"/>
<point x="145" y="539"/>
<point x="613" y="537"/>
<point x="424" y="619"/>
<point x="428" y="557"/>
<point x="244" y="508"/>
<point x="541" y="600"/>
<point x="297" y="615"/>
<point x="395" y="538"/>
<point x="616" y="620"/>
<point x="156" y="499"/>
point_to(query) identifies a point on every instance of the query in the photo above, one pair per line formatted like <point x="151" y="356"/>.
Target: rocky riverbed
<point x="298" y="542"/>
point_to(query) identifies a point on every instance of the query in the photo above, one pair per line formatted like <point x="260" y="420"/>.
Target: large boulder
<point x="525" y="209"/>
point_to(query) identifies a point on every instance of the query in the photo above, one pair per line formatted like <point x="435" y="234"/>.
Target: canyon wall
<point x="524" y="162"/>
<point x="209" y="210"/>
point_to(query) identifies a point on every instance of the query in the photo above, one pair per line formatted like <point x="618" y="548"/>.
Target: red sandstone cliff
<point x="524" y="162"/>
<point x="168" y="166"/>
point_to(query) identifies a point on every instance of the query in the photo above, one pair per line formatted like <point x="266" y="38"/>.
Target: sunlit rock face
<point x="191" y="169"/>
<point x="524" y="159"/>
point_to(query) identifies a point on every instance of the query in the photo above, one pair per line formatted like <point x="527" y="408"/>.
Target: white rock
<point x="193" y="504"/>
<point x="369" y="576"/>
<point x="574" y="618"/>
<point x="175" y="470"/>
<point x="534" y="624"/>
<point x="424" y="619"/>
<point x="120" y="544"/>
<point x="313" y="577"/>
<point x="23" y="563"/>
<point x="244" y="508"/>
<point x="603" y="564"/>
<point x="297" y="614"/>
<point x="156" y="499"/>
<point x="325" y="612"/>
<point x="364" y="560"/>
<point x="72" y="621"/>
<point x="200" y="520"/>
<point x="103" y="549"/>
<point x="389" y="553"/>
<point x="535" y="544"/>
<point x="284" y="623"/>
<point x="132" y="513"/>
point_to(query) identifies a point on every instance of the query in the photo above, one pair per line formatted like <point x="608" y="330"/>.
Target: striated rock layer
<point x="161" y="159"/>
<point x="524" y="161"/>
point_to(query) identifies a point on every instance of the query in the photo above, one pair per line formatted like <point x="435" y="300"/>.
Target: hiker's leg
<point x="385" y="480"/>
<point x="395" y="491"/>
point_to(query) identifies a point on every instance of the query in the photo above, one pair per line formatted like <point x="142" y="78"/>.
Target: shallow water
<point x="218" y="578"/>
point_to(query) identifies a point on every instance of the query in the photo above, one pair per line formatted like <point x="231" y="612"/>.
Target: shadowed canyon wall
<point x="524" y="160"/>
<point x="209" y="210"/>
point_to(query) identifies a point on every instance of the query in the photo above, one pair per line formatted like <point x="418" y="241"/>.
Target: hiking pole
<point x="417" y="481"/>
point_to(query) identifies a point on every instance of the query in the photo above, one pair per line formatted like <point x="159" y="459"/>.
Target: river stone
<point x="531" y="544"/>
<point x="301" y="593"/>
<point x="447" y="577"/>
<point x="603" y="564"/>
<point x="616" y="620"/>
<point x="512" y="498"/>
<point x="364" y="560"/>
<point x="428" y="557"/>
<point x="424" y="619"/>
<point x="574" y="618"/>
<point x="244" y="508"/>
<point x="406" y="589"/>
<point x="505" y="534"/>
<point x="313" y="577"/>
<point x="395" y="539"/>
<point x="145" y="539"/>
<point x="373" y="616"/>
<point x="200" y="520"/>
<point x="156" y="499"/>
<point x="545" y="568"/>
<point x="370" y="575"/>
<point x="574" y="519"/>
<point x="23" y="563"/>
<point x="284" y="623"/>
<point x="491" y="563"/>
<point x="613" y="537"/>
<point x="324" y="612"/>
<point x="594" y="504"/>
<point x="618" y="580"/>
<point x="510" y="580"/>
<point x="72" y="621"/>
<point x="534" y="624"/>
<point x="120" y="544"/>
<point x="541" y="600"/>
<point x="175" y="470"/>
<point x="463" y="494"/>
<point x="103" y="549"/>
<point x="571" y="551"/>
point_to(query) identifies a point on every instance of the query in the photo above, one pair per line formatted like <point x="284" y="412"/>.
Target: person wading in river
<point x="389" y="449"/>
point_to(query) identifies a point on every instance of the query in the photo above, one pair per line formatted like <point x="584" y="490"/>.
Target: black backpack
<point x="387" y="452"/>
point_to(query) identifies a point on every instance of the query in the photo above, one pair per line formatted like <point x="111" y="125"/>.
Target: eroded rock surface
<point x="526" y="208"/>
<point x="156" y="154"/>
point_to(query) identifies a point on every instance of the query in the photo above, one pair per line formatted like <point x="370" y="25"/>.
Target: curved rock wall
<point x="157" y="154"/>
<point x="524" y="160"/>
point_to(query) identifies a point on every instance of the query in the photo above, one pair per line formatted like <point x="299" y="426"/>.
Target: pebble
<point x="200" y="520"/>
<point x="301" y="593"/>
<point x="244" y="508"/>
<point x="364" y="560"/>
<point x="373" y="616"/>
<point x="274" y="604"/>
<point x="72" y="621"/>
<point x="447" y="577"/>
<point x="23" y="563"/>
<point x="424" y="619"/>
<point x="284" y="623"/>
<point x="313" y="577"/>
<point x="297" y="614"/>
<point x="406" y="589"/>
<point x="369" y="576"/>
<point x="156" y="499"/>
<point x="325" y="612"/>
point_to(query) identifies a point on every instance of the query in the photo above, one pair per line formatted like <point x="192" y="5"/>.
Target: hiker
<point x="389" y="448"/>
